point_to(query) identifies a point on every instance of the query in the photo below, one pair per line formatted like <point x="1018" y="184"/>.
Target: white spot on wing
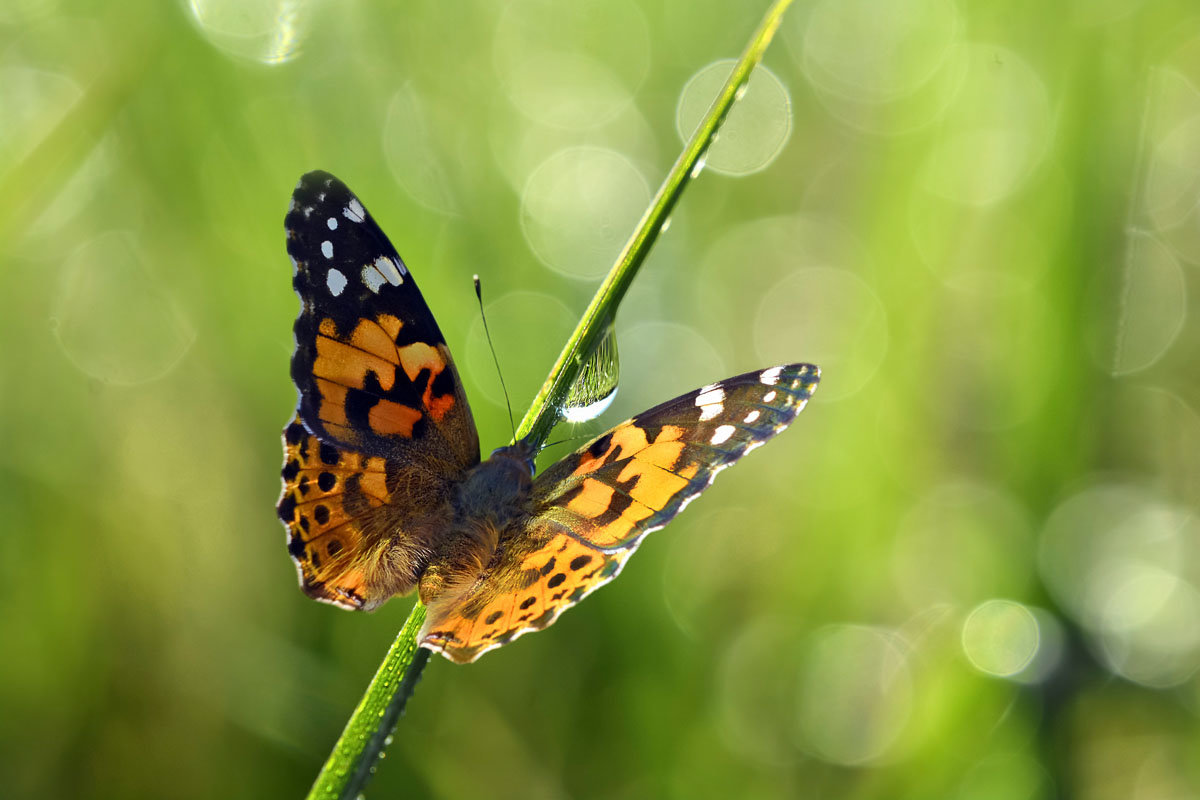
<point x="332" y="223"/>
<point x="389" y="269"/>
<point x="710" y="402"/>
<point x="327" y="248"/>
<point x="722" y="434"/>
<point x="354" y="211"/>
<point x="336" y="282"/>
<point x="770" y="376"/>
<point x="372" y="277"/>
<point x="753" y="415"/>
<point x="769" y="396"/>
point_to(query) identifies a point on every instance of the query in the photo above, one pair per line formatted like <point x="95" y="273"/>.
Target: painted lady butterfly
<point x="383" y="487"/>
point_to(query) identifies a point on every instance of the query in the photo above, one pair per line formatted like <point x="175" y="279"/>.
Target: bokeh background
<point x="970" y="570"/>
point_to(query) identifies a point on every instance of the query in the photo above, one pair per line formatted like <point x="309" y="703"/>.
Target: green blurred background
<point x="970" y="570"/>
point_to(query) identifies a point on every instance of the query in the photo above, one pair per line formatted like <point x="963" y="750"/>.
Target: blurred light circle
<point x="778" y="248"/>
<point x="904" y="113"/>
<point x="269" y="31"/>
<point x="1169" y="160"/>
<point x="704" y="582"/>
<point x="994" y="134"/>
<point x="571" y="65"/>
<point x="112" y="318"/>
<point x="957" y="240"/>
<point x="508" y="316"/>
<point x="78" y="191"/>
<point x="579" y="207"/>
<point x="1103" y="527"/>
<point x="661" y="360"/>
<point x="961" y="542"/>
<point x="1124" y="563"/>
<point x="856" y="694"/>
<point x="1172" y="169"/>
<point x="1000" y="637"/>
<point x="757" y="691"/>
<point x="835" y="318"/>
<point x="1149" y="626"/>
<point x="566" y="90"/>
<point x="32" y="102"/>
<point x="1151" y="307"/>
<point x="877" y="50"/>
<point x="758" y="125"/>
<point x="519" y="147"/>
<point x="411" y="154"/>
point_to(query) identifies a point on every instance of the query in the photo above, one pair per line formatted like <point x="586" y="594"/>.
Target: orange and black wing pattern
<point x="372" y="368"/>
<point x="382" y="430"/>
<point x="333" y="504"/>
<point x="346" y="515"/>
<point x="589" y="511"/>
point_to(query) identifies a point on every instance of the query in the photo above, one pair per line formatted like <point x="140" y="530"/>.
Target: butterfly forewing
<point x="636" y="477"/>
<point x="371" y="366"/>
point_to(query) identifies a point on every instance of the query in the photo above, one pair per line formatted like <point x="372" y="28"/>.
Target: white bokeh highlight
<point x="578" y="208"/>
<point x="113" y="320"/>
<point x="1000" y="637"/>
<point x="266" y="31"/>
<point x="757" y="127"/>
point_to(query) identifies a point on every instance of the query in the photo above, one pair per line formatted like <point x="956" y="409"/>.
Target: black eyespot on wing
<point x="329" y="455"/>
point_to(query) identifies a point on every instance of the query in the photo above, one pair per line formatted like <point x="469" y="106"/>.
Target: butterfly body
<point x="384" y="489"/>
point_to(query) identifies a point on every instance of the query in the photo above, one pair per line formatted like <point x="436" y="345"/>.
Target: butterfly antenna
<point x="500" y="372"/>
<point x="571" y="439"/>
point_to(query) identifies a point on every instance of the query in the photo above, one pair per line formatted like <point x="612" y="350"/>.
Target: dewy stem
<point x="368" y="731"/>
<point x="545" y="411"/>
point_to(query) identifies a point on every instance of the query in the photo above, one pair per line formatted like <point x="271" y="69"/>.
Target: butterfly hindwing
<point x="589" y="511"/>
<point x="326" y="531"/>
<point x="349" y="518"/>
<point x="372" y="368"/>
<point x="545" y="570"/>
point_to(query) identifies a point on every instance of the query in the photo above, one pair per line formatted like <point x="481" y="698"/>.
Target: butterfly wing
<point x="591" y="510"/>
<point x="382" y="429"/>
<point x="371" y="366"/>
<point x="328" y="521"/>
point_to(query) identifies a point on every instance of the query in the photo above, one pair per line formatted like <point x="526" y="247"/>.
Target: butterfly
<point x="384" y="490"/>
